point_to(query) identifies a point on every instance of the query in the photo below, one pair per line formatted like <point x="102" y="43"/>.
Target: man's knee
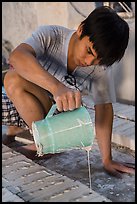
<point x="12" y="83"/>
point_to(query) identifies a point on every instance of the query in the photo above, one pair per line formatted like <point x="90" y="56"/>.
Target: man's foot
<point x="9" y="137"/>
<point x="30" y="152"/>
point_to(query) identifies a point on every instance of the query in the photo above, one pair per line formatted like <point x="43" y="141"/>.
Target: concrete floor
<point x="73" y="164"/>
<point x="26" y="181"/>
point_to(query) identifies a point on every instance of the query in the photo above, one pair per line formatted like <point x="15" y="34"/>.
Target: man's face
<point x="84" y="54"/>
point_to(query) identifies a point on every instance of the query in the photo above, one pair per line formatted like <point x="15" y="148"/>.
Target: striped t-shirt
<point x="50" y="44"/>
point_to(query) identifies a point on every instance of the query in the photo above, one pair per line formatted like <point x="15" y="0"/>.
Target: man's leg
<point x="11" y="119"/>
<point x="12" y="131"/>
<point x="31" y="101"/>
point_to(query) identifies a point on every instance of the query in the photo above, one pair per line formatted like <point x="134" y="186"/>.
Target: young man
<point x="44" y="67"/>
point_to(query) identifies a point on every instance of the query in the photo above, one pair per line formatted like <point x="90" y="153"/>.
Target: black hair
<point x="108" y="32"/>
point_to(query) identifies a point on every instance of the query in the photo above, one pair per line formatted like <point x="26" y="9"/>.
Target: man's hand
<point x="116" y="168"/>
<point x="67" y="99"/>
<point x="103" y="123"/>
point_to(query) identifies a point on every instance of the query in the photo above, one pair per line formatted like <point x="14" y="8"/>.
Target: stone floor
<point x="73" y="164"/>
<point x="26" y="181"/>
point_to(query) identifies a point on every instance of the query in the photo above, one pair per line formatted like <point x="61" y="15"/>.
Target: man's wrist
<point x="55" y="87"/>
<point x="107" y="160"/>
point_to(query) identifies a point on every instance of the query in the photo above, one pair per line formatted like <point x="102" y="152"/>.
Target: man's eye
<point x="89" y="51"/>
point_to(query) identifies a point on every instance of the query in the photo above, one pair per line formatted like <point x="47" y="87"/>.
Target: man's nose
<point x="89" y="60"/>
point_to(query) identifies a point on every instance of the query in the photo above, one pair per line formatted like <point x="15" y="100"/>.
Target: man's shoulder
<point x="53" y="28"/>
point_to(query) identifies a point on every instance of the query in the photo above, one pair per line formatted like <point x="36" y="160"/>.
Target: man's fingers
<point x="65" y="105"/>
<point x="59" y="104"/>
<point x="69" y="100"/>
<point x="78" y="99"/>
<point x="130" y="165"/>
<point x="74" y="99"/>
<point x="125" y="169"/>
<point x="121" y="167"/>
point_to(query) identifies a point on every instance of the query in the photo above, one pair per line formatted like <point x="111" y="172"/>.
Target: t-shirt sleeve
<point x="39" y="40"/>
<point x="102" y="88"/>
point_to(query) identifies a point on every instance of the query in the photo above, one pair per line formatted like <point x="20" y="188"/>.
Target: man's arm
<point x="23" y="59"/>
<point x="103" y="126"/>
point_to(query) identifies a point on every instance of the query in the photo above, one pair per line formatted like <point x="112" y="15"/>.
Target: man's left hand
<point x="116" y="168"/>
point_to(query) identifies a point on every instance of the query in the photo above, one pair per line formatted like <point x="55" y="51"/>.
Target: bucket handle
<point x="51" y="111"/>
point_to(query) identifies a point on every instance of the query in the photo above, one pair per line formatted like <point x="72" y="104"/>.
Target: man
<point x="57" y="64"/>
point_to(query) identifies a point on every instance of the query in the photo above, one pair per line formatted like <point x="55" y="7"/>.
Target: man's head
<point x="108" y="33"/>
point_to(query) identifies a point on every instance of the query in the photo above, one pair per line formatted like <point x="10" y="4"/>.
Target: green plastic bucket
<point x="64" y="131"/>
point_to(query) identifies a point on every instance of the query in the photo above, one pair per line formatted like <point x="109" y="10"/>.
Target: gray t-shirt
<point x="51" y="47"/>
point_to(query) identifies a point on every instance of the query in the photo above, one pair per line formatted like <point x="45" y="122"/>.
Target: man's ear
<point x="79" y="30"/>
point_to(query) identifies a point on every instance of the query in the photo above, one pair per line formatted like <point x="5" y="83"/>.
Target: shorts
<point x="10" y="115"/>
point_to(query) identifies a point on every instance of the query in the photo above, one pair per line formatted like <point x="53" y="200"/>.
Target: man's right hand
<point x="67" y="99"/>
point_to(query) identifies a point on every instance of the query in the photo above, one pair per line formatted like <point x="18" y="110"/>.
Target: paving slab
<point x="54" y="186"/>
<point x="8" y="196"/>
